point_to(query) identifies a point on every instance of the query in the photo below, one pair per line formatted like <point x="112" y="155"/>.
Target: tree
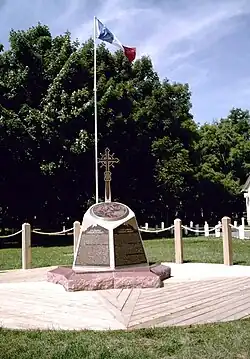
<point x="224" y="150"/>
<point x="168" y="165"/>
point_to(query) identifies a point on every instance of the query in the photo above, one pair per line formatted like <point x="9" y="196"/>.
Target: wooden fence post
<point x="227" y="241"/>
<point x="76" y="234"/>
<point x="26" y="246"/>
<point x="178" y="241"/>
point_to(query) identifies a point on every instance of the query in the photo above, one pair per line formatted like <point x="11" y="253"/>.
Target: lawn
<point x="220" y="341"/>
<point x="199" y="249"/>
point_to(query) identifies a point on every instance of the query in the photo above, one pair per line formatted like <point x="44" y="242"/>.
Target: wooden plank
<point x="239" y="311"/>
<point x="112" y="309"/>
<point x="171" y="303"/>
<point x="123" y="297"/>
<point x="202" y="314"/>
<point x="180" y="310"/>
<point x="39" y="304"/>
<point x="196" y="285"/>
<point x="80" y="310"/>
<point x="29" y="275"/>
<point x="160" y="298"/>
<point x="116" y="299"/>
<point x="130" y="304"/>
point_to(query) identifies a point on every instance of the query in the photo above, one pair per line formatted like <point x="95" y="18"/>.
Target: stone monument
<point x="110" y="251"/>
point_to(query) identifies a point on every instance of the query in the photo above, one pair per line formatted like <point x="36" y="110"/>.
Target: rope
<point x="235" y="227"/>
<point x="53" y="233"/>
<point x="11" y="235"/>
<point x="156" y="230"/>
<point x="238" y="228"/>
<point x="201" y="231"/>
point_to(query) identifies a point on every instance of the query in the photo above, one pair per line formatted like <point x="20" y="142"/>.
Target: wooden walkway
<point x="28" y="301"/>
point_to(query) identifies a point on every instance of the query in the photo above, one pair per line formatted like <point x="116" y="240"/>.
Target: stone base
<point x="136" y="277"/>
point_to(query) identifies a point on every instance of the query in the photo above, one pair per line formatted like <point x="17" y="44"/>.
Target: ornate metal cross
<point x="107" y="160"/>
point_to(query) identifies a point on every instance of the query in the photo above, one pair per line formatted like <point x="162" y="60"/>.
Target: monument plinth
<point x="110" y="251"/>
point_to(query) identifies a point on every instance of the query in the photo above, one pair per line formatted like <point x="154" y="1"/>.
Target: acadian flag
<point x="104" y="34"/>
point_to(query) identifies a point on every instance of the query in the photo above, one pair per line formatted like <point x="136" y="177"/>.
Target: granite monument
<point x="110" y="251"/>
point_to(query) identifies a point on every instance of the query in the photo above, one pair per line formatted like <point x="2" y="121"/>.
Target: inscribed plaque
<point x="128" y="246"/>
<point x="93" y="249"/>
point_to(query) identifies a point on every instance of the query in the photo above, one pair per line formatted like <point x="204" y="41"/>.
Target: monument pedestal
<point x="133" y="277"/>
<point x="110" y="253"/>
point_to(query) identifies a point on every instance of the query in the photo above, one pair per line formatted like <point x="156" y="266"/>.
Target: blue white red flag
<point x="104" y="34"/>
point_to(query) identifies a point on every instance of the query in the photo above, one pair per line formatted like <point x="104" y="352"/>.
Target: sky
<point x="204" y="43"/>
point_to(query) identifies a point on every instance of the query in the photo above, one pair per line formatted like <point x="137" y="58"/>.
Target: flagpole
<point x="95" y="117"/>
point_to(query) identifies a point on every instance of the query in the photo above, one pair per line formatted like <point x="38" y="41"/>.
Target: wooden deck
<point x="28" y="301"/>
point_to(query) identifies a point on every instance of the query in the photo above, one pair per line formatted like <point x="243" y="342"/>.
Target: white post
<point x="171" y="231"/>
<point x="95" y="116"/>
<point x="146" y="226"/>
<point x="26" y="246"/>
<point x="235" y="223"/>
<point x="186" y="231"/>
<point x="64" y="228"/>
<point x="241" y="231"/>
<point x="162" y="225"/>
<point x="206" y="229"/>
<point x="76" y="234"/>
<point x="197" y="230"/>
<point x="217" y="230"/>
<point x="191" y="224"/>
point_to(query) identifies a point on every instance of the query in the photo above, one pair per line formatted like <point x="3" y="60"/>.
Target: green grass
<point x="220" y="341"/>
<point x="195" y="250"/>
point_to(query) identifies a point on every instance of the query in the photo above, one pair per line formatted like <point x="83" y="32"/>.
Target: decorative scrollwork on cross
<point x="107" y="161"/>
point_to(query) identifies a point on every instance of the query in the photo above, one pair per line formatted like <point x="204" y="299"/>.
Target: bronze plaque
<point x="93" y="248"/>
<point x="110" y="211"/>
<point x="128" y="246"/>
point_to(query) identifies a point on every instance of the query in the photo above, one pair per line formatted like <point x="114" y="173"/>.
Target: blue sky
<point x="205" y="43"/>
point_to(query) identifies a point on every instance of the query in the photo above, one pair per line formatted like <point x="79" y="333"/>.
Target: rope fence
<point x="217" y="227"/>
<point x="156" y="230"/>
<point x="240" y="231"/>
<point x="206" y="230"/>
<point x="12" y="235"/>
<point x="223" y="229"/>
<point x="64" y="231"/>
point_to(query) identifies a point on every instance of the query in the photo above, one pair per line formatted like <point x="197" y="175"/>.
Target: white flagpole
<point x="95" y="116"/>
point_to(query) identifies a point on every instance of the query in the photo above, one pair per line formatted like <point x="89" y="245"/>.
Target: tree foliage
<point x="168" y="164"/>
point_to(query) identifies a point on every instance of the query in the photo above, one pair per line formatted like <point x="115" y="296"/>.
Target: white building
<point x="246" y="190"/>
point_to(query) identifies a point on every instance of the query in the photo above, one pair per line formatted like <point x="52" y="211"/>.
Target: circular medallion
<point x="110" y="211"/>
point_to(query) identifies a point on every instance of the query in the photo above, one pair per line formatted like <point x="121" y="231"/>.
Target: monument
<point x="110" y="251"/>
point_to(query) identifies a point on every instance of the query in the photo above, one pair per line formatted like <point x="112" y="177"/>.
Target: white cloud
<point x="157" y="30"/>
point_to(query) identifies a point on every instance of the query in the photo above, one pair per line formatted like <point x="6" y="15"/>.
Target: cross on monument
<point x="107" y="160"/>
